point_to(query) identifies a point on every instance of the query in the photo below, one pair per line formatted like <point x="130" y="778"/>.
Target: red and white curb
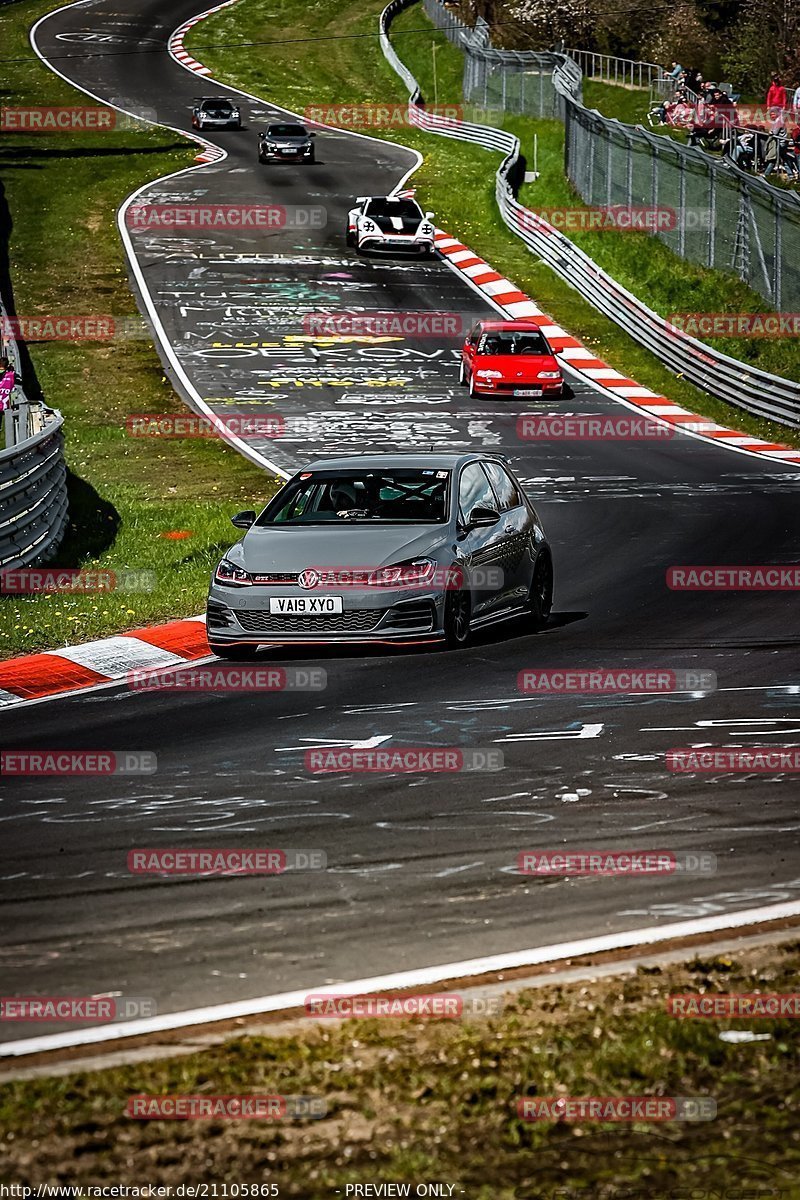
<point x="78" y="668"/>
<point x="177" y="48"/>
<point x="507" y="297"/>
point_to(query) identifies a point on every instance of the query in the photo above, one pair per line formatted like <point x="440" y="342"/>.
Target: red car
<point x="509" y="358"/>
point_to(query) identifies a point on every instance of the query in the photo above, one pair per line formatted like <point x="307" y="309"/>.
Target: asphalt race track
<point x="421" y="868"/>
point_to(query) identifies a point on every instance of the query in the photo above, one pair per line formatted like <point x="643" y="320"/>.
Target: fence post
<point x="609" y="161"/>
<point x="629" y="173"/>
<point x="712" y="215"/>
<point x="682" y="205"/>
<point x="777" y="286"/>
<point x="590" y="198"/>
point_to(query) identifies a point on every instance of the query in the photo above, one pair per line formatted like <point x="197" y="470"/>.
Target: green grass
<point x="61" y="194"/>
<point x="456" y="180"/>
<point x="422" y="1101"/>
<point x="629" y="105"/>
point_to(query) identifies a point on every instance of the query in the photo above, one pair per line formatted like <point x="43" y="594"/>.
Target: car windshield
<point x="218" y="107"/>
<point x="501" y="342"/>
<point x="361" y="497"/>
<point x="287" y="131"/>
<point x="394" y="208"/>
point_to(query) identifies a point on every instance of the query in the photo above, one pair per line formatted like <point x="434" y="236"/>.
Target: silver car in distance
<point x="399" y="548"/>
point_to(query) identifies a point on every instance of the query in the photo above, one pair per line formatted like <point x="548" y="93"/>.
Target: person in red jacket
<point x="776" y="96"/>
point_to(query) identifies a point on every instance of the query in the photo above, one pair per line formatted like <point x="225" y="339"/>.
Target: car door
<point x="469" y="348"/>
<point x="479" y="548"/>
<point x="514" y="534"/>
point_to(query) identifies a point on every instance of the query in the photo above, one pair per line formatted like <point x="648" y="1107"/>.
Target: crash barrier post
<point x="758" y="392"/>
<point x="33" y="475"/>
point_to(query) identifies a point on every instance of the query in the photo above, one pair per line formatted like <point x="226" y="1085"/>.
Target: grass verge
<point x="412" y="1101"/>
<point x="128" y="497"/>
<point x="455" y="179"/>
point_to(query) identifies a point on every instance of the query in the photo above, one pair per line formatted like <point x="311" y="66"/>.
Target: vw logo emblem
<point x="308" y="579"/>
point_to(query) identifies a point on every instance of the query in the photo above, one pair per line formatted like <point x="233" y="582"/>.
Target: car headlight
<point x="549" y="375"/>
<point x="413" y="573"/>
<point x="426" y="230"/>
<point x="491" y="374"/>
<point x="229" y="575"/>
<point x="368" y="226"/>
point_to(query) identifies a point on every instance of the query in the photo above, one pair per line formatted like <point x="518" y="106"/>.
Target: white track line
<point x="425" y="976"/>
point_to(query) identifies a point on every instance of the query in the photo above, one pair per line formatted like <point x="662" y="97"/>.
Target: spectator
<point x="8" y="380"/>
<point x="788" y="155"/>
<point x="772" y="154"/>
<point x="694" y="80"/>
<point x="796" y="103"/>
<point x="744" y="150"/>
<point x="677" y="71"/>
<point x="776" y="96"/>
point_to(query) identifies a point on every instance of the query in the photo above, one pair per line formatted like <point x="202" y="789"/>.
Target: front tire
<point x="457" y="612"/>
<point x="241" y="653"/>
<point x="540" y="599"/>
<point x="462" y="374"/>
<point x="471" y="383"/>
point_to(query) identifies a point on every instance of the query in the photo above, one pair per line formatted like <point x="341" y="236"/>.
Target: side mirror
<point x="429" y="216"/>
<point x="244" y="520"/>
<point x="481" y="516"/>
<point x="312" y="134"/>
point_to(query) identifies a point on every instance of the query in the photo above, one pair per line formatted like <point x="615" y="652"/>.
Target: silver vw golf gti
<point x="383" y="548"/>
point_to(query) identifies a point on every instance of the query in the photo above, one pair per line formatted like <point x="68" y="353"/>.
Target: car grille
<point x="354" y="620"/>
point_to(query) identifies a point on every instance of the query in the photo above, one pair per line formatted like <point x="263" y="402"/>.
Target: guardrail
<point x="755" y="391"/>
<point x="33" y="477"/>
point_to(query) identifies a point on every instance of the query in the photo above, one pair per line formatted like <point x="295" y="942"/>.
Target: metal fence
<point x="714" y="213"/>
<point x="623" y="72"/>
<point x="33" y="477"/>
<point x="718" y="374"/>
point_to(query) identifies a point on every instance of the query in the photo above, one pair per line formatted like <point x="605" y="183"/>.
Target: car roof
<point x="213" y="99"/>
<point x="522" y="326"/>
<point x="378" y="462"/>
<point x="395" y="199"/>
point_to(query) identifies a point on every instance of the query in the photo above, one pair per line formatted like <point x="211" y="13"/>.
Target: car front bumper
<point x="512" y="388"/>
<point x="394" y="245"/>
<point x="241" y="616"/>
<point x="285" y="155"/>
